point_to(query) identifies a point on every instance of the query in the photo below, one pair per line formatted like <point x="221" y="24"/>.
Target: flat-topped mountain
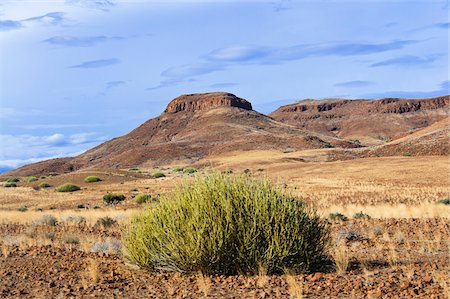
<point x="192" y="127"/>
<point x="196" y="102"/>
<point x="371" y="122"/>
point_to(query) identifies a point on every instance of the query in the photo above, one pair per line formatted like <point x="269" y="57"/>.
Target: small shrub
<point x="377" y="231"/>
<point x="338" y="216"/>
<point x="44" y="185"/>
<point x="22" y="209"/>
<point x="407" y="154"/>
<point x="445" y="201"/>
<point x="29" y="179"/>
<point x="81" y="206"/>
<point x="111" y="198"/>
<point x="112" y="245"/>
<point x="92" y="179"/>
<point x="105" y="222"/>
<point x="143" y="198"/>
<point x="50" y="236"/>
<point x="71" y="239"/>
<point x="78" y="220"/>
<point x="361" y="215"/>
<point x="189" y="170"/>
<point x="49" y="220"/>
<point x="227" y="225"/>
<point x="12" y="180"/>
<point x="134" y="169"/>
<point x="96" y="207"/>
<point x="9" y="185"/>
<point x="348" y="234"/>
<point x="68" y="188"/>
<point x="158" y="174"/>
<point x="43" y="177"/>
<point x="178" y="169"/>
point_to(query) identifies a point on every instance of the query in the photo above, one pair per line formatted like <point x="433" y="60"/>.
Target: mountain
<point x="370" y="122"/>
<point x="192" y="127"/>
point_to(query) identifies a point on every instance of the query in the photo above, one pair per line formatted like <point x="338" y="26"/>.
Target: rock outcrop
<point x="205" y="101"/>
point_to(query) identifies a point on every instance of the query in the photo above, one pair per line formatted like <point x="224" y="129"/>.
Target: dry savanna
<point x="211" y="199"/>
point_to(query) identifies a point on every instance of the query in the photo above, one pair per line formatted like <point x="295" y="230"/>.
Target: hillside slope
<point x="371" y="122"/>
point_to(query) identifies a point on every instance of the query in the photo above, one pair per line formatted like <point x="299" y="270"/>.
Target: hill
<point x="371" y="122"/>
<point x="192" y="127"/>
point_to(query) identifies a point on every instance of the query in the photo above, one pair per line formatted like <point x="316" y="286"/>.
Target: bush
<point x="105" y="222"/>
<point x="361" y="215"/>
<point x="226" y="225"/>
<point x="12" y="180"/>
<point x="92" y="179"/>
<point x="338" y="216"/>
<point x="49" y="220"/>
<point x="44" y="185"/>
<point x="67" y="188"/>
<point x="111" y="198"/>
<point x="29" y="179"/>
<point x="158" y="174"/>
<point x="22" y="209"/>
<point x="71" y="239"/>
<point x="445" y="201"/>
<point x="143" y="198"/>
<point x="178" y="169"/>
<point x="189" y="170"/>
<point x="9" y="185"/>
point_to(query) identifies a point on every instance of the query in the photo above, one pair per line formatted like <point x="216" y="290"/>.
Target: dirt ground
<point x="401" y="251"/>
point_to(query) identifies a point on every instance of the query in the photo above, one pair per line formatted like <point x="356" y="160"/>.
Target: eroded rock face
<point x="205" y="101"/>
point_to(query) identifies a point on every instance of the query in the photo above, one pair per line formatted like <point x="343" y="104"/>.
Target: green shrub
<point x="445" y="201"/>
<point x="338" y="216"/>
<point x="143" y="198"/>
<point x="158" y="174"/>
<point x="92" y="179"/>
<point x="10" y="185"/>
<point x="105" y="222"/>
<point x="111" y="198"/>
<point x="178" y="169"/>
<point x="29" y="179"/>
<point x="134" y="169"/>
<point x="12" y="180"/>
<point x="44" y="185"/>
<point x="189" y="170"/>
<point x="22" y="209"/>
<point x="226" y="225"/>
<point x="67" y="188"/>
<point x="361" y="215"/>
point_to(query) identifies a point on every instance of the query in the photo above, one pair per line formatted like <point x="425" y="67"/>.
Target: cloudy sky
<point x="77" y="72"/>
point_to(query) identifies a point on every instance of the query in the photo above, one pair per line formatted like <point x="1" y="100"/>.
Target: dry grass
<point x="6" y="250"/>
<point x="341" y="258"/>
<point x="295" y="286"/>
<point x="204" y="283"/>
<point x="262" y="276"/>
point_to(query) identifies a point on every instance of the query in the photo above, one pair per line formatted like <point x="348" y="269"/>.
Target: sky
<point x="75" y="73"/>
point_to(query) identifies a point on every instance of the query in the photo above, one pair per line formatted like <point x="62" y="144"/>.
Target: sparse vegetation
<point x="178" y="169"/>
<point x="44" y="185"/>
<point x="29" y="179"/>
<point x="445" y="201"/>
<point x="9" y="185"/>
<point x="361" y="215"/>
<point x="338" y="216"/>
<point x="22" y="209"/>
<point x="71" y="239"/>
<point x="12" y="180"/>
<point x="92" y="179"/>
<point x="227" y="224"/>
<point x="105" y="222"/>
<point x="189" y="170"/>
<point x="49" y="220"/>
<point x="68" y="188"/>
<point x="111" y="198"/>
<point x="158" y="174"/>
<point x="143" y="198"/>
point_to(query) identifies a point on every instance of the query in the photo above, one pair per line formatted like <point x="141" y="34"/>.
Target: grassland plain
<point x="402" y="250"/>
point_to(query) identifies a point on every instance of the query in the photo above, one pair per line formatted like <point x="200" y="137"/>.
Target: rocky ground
<point x="385" y="259"/>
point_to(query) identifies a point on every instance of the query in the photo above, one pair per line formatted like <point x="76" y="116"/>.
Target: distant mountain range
<point x="195" y="126"/>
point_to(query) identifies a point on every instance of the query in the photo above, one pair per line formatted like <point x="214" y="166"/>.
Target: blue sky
<point x="75" y="73"/>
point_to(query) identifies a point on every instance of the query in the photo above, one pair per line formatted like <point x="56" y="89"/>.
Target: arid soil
<point x="386" y="259"/>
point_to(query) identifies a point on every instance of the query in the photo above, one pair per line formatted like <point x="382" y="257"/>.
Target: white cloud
<point x="17" y="150"/>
